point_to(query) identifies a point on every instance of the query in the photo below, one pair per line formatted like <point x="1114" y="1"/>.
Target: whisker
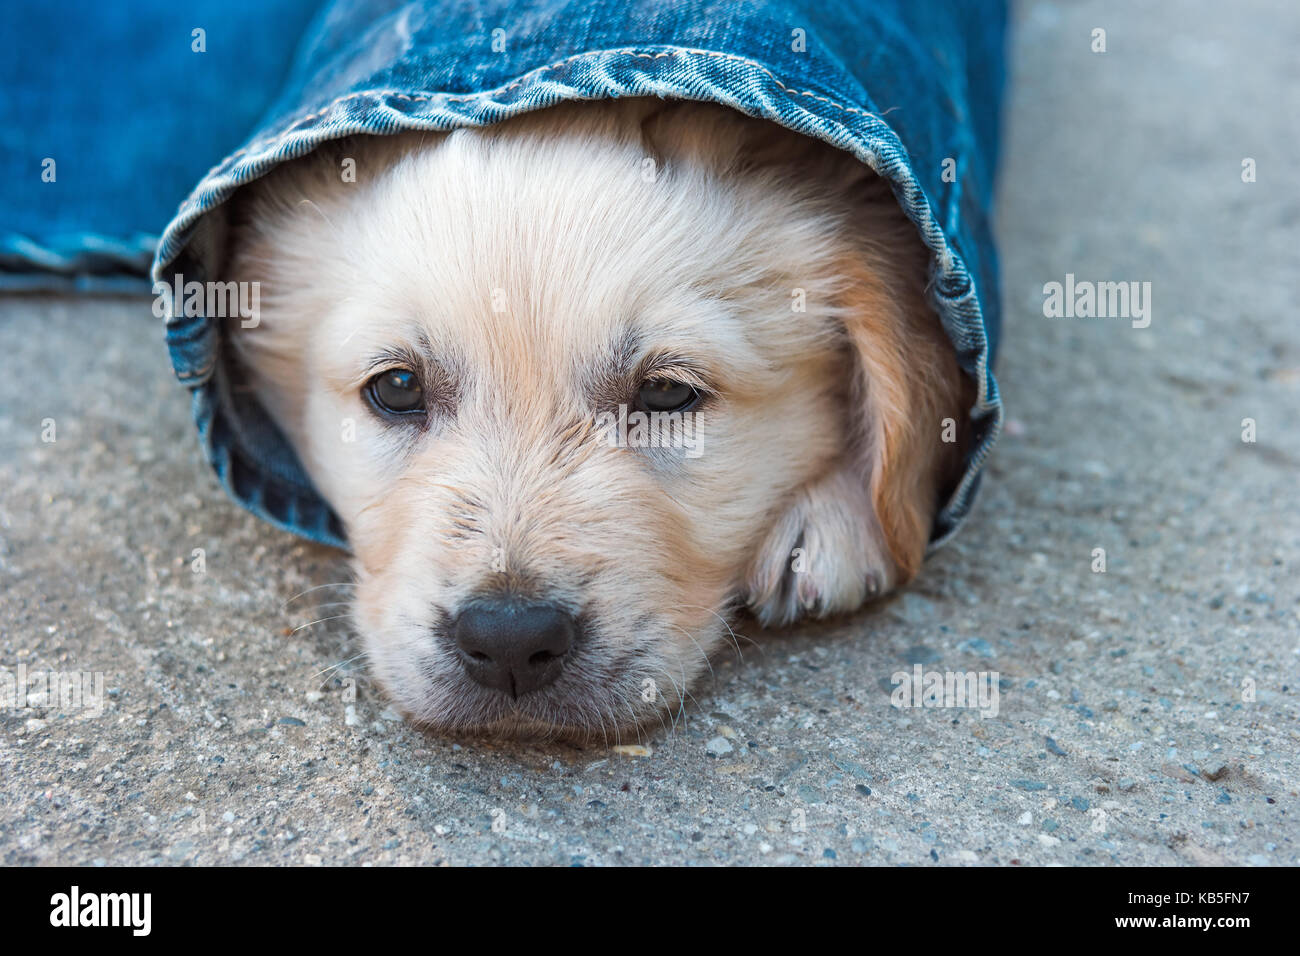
<point x="335" y="584"/>
<point x="712" y="676"/>
<point x="635" y="723"/>
<point x="735" y="638"/>
<point x="333" y="667"/>
<point x="618" y="733"/>
<point x="336" y="617"/>
<point x="681" y="702"/>
<point x="334" y="604"/>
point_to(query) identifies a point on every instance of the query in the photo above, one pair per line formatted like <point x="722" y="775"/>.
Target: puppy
<point x="465" y="343"/>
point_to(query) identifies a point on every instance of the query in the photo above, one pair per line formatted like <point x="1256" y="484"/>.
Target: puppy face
<point x="467" y="347"/>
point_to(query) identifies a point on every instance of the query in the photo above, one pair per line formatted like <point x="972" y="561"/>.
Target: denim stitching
<point x="626" y="51"/>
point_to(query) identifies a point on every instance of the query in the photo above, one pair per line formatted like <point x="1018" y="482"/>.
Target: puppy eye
<point x="396" y="391"/>
<point x="665" y="395"/>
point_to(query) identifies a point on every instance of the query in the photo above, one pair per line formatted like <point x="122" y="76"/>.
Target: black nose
<point x="512" y="646"/>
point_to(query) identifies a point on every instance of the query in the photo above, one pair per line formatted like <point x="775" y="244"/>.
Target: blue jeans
<point x="912" y="88"/>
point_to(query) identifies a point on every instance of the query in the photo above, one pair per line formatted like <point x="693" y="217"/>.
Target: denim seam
<point x="625" y="51"/>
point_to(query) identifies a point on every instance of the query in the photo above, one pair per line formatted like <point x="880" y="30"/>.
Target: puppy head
<point x="468" y="347"/>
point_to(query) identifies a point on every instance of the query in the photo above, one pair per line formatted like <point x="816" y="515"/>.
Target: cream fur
<point x="528" y="267"/>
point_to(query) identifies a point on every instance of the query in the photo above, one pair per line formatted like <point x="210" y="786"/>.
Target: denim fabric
<point x="910" y="87"/>
<point x="116" y="95"/>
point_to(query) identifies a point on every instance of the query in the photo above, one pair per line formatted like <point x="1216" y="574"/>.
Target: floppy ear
<point x="863" y="525"/>
<point x="910" y="399"/>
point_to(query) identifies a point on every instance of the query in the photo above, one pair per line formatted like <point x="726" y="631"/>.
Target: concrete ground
<point x="1148" y="714"/>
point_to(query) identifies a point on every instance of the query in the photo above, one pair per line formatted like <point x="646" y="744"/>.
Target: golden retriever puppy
<point x="582" y="383"/>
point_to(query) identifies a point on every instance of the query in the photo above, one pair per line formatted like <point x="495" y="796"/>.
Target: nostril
<point x="513" y="646"/>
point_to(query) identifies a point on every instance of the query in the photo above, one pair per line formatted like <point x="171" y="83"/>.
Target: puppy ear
<point x="910" y="399"/>
<point x="862" y="527"/>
